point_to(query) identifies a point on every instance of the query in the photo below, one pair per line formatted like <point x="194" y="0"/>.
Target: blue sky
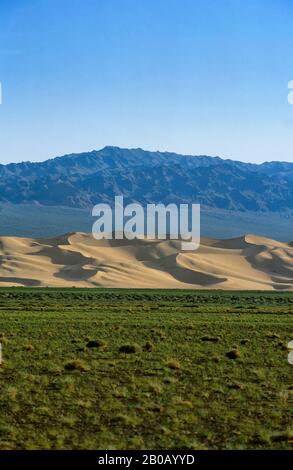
<point x="190" y="76"/>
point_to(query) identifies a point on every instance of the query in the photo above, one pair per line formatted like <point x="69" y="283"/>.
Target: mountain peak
<point x="82" y="180"/>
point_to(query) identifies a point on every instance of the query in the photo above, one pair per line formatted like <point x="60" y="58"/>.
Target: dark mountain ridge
<point x="82" y="180"/>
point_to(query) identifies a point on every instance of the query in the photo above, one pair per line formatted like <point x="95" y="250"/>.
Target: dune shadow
<point x="72" y="263"/>
<point x="278" y="270"/>
<point x="21" y="281"/>
<point x="76" y="273"/>
<point x="181" y="274"/>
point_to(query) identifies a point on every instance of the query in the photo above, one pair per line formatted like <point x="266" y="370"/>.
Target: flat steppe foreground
<point x="145" y="369"/>
<point x="78" y="260"/>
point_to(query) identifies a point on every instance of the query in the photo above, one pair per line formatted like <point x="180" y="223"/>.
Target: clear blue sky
<point x="191" y="76"/>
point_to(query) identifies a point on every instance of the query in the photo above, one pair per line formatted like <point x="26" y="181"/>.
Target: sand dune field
<point x="77" y="259"/>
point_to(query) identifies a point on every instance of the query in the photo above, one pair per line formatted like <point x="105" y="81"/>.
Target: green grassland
<point x="143" y="369"/>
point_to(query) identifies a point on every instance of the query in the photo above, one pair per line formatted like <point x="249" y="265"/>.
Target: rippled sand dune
<point x="77" y="259"/>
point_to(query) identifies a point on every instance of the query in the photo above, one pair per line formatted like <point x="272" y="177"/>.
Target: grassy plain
<point x="144" y="369"/>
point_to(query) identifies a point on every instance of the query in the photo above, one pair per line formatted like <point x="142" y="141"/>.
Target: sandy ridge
<point x="76" y="259"/>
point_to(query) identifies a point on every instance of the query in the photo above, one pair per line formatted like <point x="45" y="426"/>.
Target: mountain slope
<point x="82" y="180"/>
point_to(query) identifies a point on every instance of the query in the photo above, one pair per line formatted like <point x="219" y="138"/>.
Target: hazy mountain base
<point x="28" y="220"/>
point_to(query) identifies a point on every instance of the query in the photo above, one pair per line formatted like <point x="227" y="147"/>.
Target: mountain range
<point x="85" y="179"/>
<point x="57" y="196"/>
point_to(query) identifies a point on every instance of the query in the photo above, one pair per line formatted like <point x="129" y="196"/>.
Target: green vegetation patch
<point x="145" y="369"/>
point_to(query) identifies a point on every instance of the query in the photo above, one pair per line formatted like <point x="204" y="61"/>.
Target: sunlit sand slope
<point x="77" y="259"/>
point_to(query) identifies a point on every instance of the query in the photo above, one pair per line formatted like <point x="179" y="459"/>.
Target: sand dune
<point x="77" y="259"/>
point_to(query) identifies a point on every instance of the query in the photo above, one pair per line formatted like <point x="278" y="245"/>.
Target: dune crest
<point x="77" y="259"/>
